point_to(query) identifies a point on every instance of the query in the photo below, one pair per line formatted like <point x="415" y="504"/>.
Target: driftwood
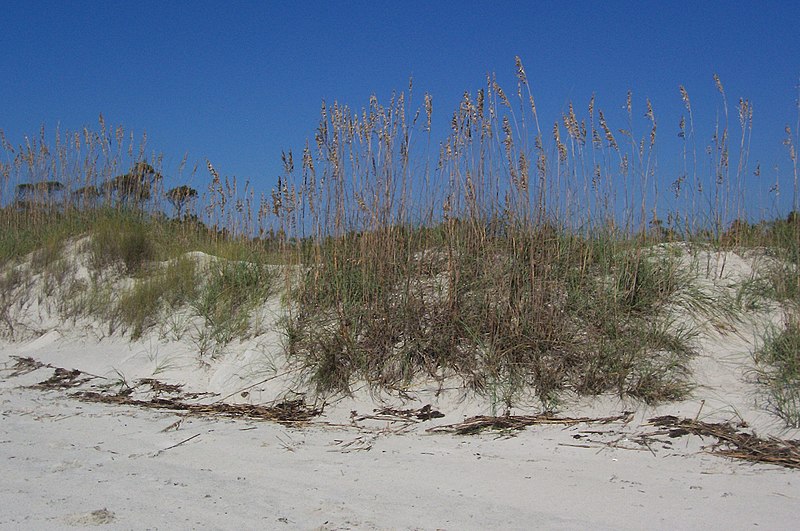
<point x="734" y="443"/>
<point x="518" y="422"/>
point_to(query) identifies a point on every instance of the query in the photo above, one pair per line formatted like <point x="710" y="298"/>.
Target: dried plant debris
<point x="158" y="387"/>
<point x="518" y="422"/>
<point x="170" y="396"/>
<point x="64" y="379"/>
<point x="422" y="414"/>
<point x="732" y="442"/>
<point x="61" y="378"/>
<point x="24" y="366"/>
<point x="289" y="411"/>
<point x="362" y="443"/>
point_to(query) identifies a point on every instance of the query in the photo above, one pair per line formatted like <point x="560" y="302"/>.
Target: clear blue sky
<point x="237" y="82"/>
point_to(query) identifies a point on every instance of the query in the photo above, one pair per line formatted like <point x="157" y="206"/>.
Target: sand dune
<point x="70" y="462"/>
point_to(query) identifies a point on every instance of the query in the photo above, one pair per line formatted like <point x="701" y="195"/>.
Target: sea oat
<point x="502" y="95"/>
<point x="652" y="119"/>
<point x="609" y="136"/>
<point x="718" y="84"/>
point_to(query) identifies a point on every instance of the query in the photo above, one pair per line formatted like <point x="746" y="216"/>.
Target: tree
<point x="86" y="196"/>
<point x="135" y="186"/>
<point x="44" y="193"/>
<point x="179" y="197"/>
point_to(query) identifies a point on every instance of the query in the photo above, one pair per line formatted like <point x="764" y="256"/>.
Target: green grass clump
<point x="23" y="232"/>
<point x="778" y="362"/>
<point x="150" y="251"/>
<point x="125" y="240"/>
<point x="544" y="310"/>
<point x="142" y="307"/>
<point x="233" y="291"/>
<point x="10" y="280"/>
<point x="225" y="292"/>
<point x="784" y="276"/>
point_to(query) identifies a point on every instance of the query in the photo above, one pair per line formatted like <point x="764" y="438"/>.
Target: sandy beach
<point x="69" y="463"/>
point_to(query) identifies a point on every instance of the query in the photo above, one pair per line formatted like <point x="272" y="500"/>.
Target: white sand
<point x="71" y="463"/>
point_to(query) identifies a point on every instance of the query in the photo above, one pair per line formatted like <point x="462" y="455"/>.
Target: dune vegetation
<point x="518" y="257"/>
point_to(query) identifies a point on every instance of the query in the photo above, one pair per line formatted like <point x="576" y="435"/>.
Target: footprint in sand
<point x="66" y="465"/>
<point x="99" y="517"/>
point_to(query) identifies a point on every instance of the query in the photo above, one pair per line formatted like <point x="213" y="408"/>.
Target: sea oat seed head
<point x="428" y="109"/>
<point x="685" y="98"/>
<point x="520" y="70"/>
<point x="501" y="94"/>
<point x="718" y="83"/>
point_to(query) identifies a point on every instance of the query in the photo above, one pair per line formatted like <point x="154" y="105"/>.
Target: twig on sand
<point x="647" y="443"/>
<point x="175" y="445"/>
<point x="577" y="445"/>
<point x="174" y="426"/>
<point x="359" y="444"/>
<point x="265" y="380"/>
<point x="702" y="403"/>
